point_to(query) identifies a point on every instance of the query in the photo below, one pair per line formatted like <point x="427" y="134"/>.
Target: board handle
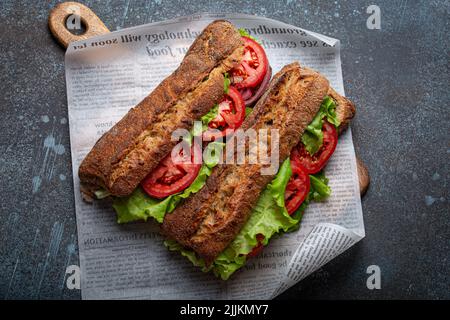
<point x="363" y="176"/>
<point x="58" y="21"/>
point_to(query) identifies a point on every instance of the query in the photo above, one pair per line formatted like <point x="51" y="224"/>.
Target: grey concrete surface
<point x="397" y="76"/>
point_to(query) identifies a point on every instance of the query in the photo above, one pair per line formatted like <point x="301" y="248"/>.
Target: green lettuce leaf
<point x="244" y="33"/>
<point x="102" y="194"/>
<point x="172" y="245"/>
<point x="140" y="206"/>
<point x="209" y="116"/>
<point x="319" y="189"/>
<point x="329" y="108"/>
<point x="312" y="138"/>
<point x="226" y="82"/>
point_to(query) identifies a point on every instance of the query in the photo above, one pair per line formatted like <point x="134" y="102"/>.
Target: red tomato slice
<point x="172" y="175"/>
<point x="230" y="116"/>
<point x="297" y="188"/>
<point x="253" y="67"/>
<point x="259" y="247"/>
<point x="315" y="163"/>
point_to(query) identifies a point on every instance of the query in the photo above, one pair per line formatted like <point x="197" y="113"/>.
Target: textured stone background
<point x="397" y="76"/>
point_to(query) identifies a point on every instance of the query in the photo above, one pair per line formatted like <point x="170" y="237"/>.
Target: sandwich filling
<point x="161" y="191"/>
<point x="272" y="214"/>
<point x="136" y="144"/>
<point x="145" y="202"/>
<point x="281" y="204"/>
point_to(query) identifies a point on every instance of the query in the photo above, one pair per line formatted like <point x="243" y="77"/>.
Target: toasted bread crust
<point x="208" y="221"/>
<point x="345" y="109"/>
<point x="131" y="149"/>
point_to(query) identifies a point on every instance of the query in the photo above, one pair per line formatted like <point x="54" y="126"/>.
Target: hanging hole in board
<point x="75" y="24"/>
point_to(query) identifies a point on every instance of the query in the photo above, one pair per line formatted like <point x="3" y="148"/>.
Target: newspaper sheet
<point x="106" y="76"/>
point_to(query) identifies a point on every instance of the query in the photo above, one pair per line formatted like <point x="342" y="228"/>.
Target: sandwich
<point x="239" y="210"/>
<point x="219" y="215"/>
<point x="136" y="163"/>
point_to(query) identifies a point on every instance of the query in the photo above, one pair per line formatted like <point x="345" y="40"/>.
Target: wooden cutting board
<point x="94" y="27"/>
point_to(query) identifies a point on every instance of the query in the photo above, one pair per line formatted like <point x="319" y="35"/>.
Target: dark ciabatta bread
<point x="209" y="220"/>
<point x="131" y="149"/>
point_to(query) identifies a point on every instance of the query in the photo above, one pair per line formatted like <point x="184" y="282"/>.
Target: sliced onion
<point x="259" y="90"/>
<point x="246" y="93"/>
